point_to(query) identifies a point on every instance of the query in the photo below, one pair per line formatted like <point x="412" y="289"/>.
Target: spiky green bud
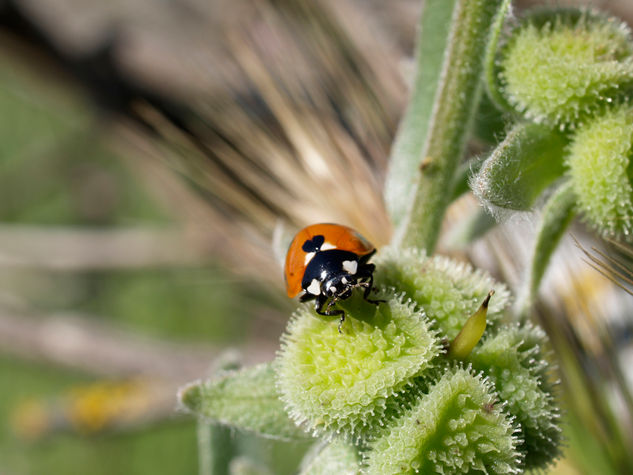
<point x="560" y="66"/>
<point x="457" y="427"/>
<point x="448" y="291"/>
<point x="513" y="358"/>
<point x="343" y="382"/>
<point x="599" y="162"/>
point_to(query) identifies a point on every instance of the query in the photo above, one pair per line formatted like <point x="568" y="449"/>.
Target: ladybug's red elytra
<point x="328" y="261"/>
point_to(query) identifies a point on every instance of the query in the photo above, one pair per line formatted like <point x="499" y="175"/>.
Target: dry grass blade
<point x="300" y="134"/>
<point x="616" y="271"/>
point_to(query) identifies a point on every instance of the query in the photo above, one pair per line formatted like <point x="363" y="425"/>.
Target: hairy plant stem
<point x="205" y="456"/>
<point x="557" y="215"/>
<point x="432" y="41"/>
<point x="490" y="70"/>
<point x="455" y="104"/>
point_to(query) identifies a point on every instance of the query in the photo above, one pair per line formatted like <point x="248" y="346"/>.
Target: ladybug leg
<point x="370" y="285"/>
<point x="340" y="323"/>
<point x="319" y="303"/>
<point x="336" y="312"/>
<point x="321" y="299"/>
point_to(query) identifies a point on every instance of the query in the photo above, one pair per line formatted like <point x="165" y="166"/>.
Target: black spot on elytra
<point x="314" y="244"/>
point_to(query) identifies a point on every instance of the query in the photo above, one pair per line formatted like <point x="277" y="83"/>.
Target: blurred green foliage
<point x="57" y="169"/>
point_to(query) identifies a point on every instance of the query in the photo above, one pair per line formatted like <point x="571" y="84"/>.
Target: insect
<point x="328" y="261"/>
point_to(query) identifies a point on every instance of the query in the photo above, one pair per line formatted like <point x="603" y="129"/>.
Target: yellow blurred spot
<point x="95" y="407"/>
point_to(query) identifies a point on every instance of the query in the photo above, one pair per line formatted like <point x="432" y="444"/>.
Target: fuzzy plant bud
<point x="513" y="359"/>
<point x="520" y="168"/>
<point x="562" y="65"/>
<point x="448" y="291"/>
<point x="456" y="427"/>
<point x="344" y="382"/>
<point x="600" y="168"/>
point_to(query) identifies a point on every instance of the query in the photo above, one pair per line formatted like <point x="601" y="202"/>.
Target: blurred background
<point x="155" y="156"/>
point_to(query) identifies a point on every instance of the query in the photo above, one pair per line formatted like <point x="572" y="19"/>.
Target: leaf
<point x="337" y="457"/>
<point x="528" y="160"/>
<point x="246" y="399"/>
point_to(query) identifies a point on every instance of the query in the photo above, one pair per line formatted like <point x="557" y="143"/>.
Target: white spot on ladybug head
<point x="344" y="280"/>
<point x="326" y="246"/>
<point x="323" y="275"/>
<point x="314" y="288"/>
<point x="308" y="258"/>
<point x="350" y="267"/>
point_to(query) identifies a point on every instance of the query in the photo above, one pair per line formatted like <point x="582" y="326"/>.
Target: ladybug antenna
<point x="314" y="244"/>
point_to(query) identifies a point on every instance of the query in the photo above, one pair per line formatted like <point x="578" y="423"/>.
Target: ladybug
<point x="328" y="261"/>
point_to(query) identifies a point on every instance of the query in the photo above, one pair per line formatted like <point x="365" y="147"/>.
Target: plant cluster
<point x="434" y="379"/>
<point x="389" y="388"/>
<point x="564" y="77"/>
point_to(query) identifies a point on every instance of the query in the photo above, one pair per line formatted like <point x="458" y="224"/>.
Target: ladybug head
<point x="314" y="244"/>
<point x="340" y="285"/>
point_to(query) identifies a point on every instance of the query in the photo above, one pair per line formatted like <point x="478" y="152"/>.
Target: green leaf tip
<point x="344" y="383"/>
<point x="246" y="399"/>
<point x="471" y="332"/>
<point x="562" y="65"/>
<point x="448" y="291"/>
<point x="457" y="427"/>
<point x="601" y="171"/>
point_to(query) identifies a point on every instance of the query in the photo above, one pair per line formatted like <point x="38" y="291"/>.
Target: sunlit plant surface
<point x="514" y="120"/>
<point x="390" y="393"/>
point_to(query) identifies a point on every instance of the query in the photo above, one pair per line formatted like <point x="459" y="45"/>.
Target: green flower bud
<point x="559" y="66"/>
<point x="344" y="383"/>
<point x="513" y="358"/>
<point x="456" y="427"/>
<point x="471" y="332"/>
<point x="448" y="291"/>
<point x="599" y="162"/>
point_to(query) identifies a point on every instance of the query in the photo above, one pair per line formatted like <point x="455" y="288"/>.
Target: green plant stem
<point x="215" y="449"/>
<point x="490" y="69"/>
<point x="432" y="40"/>
<point x="557" y="215"/>
<point x="205" y="457"/>
<point x="453" y="109"/>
